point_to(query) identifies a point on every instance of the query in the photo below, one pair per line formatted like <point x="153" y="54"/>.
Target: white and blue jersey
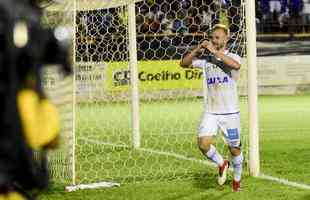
<point x="222" y="94"/>
<point x="222" y="101"/>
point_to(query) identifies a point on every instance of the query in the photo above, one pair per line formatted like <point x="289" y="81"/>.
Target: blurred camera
<point x="26" y="45"/>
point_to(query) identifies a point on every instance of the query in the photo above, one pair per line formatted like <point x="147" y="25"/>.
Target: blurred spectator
<point x="167" y="23"/>
<point x="143" y="8"/>
<point x="234" y="15"/>
<point x="264" y="6"/>
<point x="274" y="13"/>
<point x="165" y="7"/>
<point x="148" y="19"/>
<point x="306" y="15"/>
<point x="207" y="15"/>
<point x="284" y="15"/>
<point x="185" y="4"/>
<point x="179" y="24"/>
<point x="195" y="16"/>
<point x="275" y="9"/>
<point x="295" y="8"/>
<point x="284" y="21"/>
<point x="192" y="24"/>
<point x="258" y="15"/>
<point x="139" y="21"/>
<point x="155" y="26"/>
<point x="284" y="8"/>
<point x="265" y="16"/>
<point x="225" y="4"/>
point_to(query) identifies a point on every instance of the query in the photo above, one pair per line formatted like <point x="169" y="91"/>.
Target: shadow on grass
<point x="208" y="182"/>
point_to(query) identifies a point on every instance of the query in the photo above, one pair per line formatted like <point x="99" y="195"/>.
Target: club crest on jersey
<point x="215" y="80"/>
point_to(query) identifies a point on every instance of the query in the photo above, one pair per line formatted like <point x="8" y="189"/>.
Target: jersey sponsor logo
<point x="233" y="134"/>
<point x="216" y="80"/>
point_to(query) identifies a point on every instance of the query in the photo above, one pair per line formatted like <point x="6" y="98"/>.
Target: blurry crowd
<point x="166" y="27"/>
<point x="197" y="16"/>
<point x="185" y="16"/>
<point x="292" y="16"/>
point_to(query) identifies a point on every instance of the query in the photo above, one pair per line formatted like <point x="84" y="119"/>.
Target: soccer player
<point x="221" y="69"/>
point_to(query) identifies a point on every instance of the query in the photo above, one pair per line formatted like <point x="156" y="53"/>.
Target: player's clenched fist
<point x="208" y="45"/>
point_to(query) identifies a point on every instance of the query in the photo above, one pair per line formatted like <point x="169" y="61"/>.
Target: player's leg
<point x="207" y="130"/>
<point x="237" y="163"/>
<point x="205" y="144"/>
<point x="231" y="129"/>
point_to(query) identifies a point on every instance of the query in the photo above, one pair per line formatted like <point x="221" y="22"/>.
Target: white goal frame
<point x="254" y="164"/>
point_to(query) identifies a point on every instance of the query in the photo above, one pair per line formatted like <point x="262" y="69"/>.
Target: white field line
<point x="94" y="141"/>
<point x="205" y="162"/>
<point x="285" y="182"/>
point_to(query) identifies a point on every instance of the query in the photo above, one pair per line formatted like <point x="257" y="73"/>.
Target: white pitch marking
<point x="205" y="162"/>
<point x="285" y="182"/>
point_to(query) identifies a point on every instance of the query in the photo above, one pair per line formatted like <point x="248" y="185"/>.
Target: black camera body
<point x="26" y="45"/>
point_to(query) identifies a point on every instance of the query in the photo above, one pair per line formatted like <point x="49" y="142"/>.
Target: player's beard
<point x="221" y="46"/>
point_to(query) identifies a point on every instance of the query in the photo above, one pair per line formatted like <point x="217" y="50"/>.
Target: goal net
<point x="60" y="90"/>
<point x="99" y="144"/>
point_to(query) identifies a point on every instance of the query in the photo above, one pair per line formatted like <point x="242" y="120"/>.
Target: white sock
<point x="237" y="164"/>
<point x="214" y="156"/>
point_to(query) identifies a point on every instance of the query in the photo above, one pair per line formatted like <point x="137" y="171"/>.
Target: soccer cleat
<point x="223" y="173"/>
<point x="235" y="186"/>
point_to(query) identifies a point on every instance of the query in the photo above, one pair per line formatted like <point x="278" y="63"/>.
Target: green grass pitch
<point x="169" y="165"/>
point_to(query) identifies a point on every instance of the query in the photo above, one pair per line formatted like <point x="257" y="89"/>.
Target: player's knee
<point x="204" y="144"/>
<point x="235" y="151"/>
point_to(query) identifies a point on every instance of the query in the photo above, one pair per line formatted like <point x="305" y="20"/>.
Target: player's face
<point x="219" y="39"/>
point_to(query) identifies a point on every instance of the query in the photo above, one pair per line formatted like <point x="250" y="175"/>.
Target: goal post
<point x="135" y="111"/>
<point x="252" y="89"/>
<point x="133" y="66"/>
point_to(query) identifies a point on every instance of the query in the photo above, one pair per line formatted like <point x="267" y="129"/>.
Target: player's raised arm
<point x="228" y="61"/>
<point x="187" y="60"/>
<point x="217" y="47"/>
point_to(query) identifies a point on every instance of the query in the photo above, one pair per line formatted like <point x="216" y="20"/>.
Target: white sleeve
<point x="235" y="73"/>
<point x="236" y="57"/>
<point x="200" y="63"/>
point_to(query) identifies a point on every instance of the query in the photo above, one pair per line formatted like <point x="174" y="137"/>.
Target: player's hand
<point x="209" y="46"/>
<point x="204" y="44"/>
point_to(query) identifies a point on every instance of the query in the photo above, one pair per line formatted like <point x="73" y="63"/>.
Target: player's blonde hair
<point x="222" y="27"/>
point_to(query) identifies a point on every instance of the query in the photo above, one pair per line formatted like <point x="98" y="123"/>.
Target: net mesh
<point x="171" y="97"/>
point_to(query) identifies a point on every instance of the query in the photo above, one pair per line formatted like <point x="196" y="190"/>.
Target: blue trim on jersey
<point x="225" y="113"/>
